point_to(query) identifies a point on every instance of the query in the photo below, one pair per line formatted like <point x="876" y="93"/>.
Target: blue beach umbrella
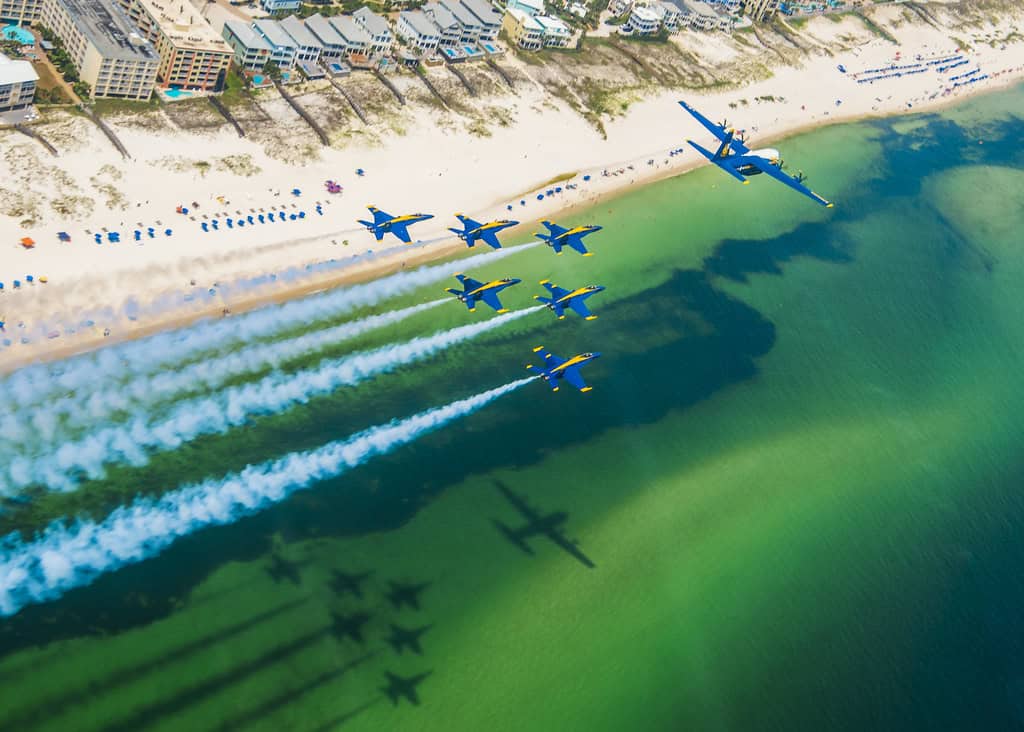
<point x="586" y="177"/>
<point x="205" y="226"/>
<point x="167" y="232"/>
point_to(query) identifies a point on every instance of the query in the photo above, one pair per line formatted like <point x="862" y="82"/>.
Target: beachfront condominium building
<point x="447" y="26"/>
<point x="554" y="31"/>
<point x="20" y="12"/>
<point x="760" y="9"/>
<point x="192" y="55"/>
<point x="307" y="47"/>
<point x="332" y="45"/>
<point x="523" y="30"/>
<point x="357" y="40"/>
<point x="251" y="51"/>
<point x="418" y="31"/>
<point x="530" y="7"/>
<point x="280" y="6"/>
<point x="381" y="39"/>
<point x="283" y="50"/>
<point x="702" y="16"/>
<point x="17" y="84"/>
<point x="644" y="20"/>
<point x="111" y="56"/>
<point x="486" y="16"/>
<point x="469" y="26"/>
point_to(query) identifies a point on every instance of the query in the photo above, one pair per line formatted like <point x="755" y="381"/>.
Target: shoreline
<point x="658" y="114"/>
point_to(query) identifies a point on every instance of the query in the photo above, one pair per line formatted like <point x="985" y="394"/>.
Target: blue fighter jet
<point x="559" y="236"/>
<point x="474" y="231"/>
<point x="555" y="369"/>
<point x="474" y="291"/>
<point x="573" y="299"/>
<point x="735" y="158"/>
<point x="398" y="225"/>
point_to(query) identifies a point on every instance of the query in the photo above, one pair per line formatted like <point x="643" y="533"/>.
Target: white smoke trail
<point x="217" y="413"/>
<point x="35" y="427"/>
<point x="67" y="556"/>
<point x="34" y="386"/>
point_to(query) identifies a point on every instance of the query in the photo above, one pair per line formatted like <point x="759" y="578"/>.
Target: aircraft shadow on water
<point x="344" y="583"/>
<point x="281" y="569"/>
<point x="548" y="526"/>
<point x="724" y="353"/>
<point x="403" y="594"/>
<point x="399" y="687"/>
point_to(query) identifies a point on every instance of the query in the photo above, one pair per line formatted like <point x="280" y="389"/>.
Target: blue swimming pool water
<point x="15" y="33"/>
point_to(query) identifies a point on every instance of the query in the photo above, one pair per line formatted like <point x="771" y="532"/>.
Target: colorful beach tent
<point x="28" y="242"/>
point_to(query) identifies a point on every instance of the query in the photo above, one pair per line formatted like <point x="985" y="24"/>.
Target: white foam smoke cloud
<point x="67" y="556"/>
<point x="132" y="442"/>
<point x="32" y="428"/>
<point x="34" y="386"/>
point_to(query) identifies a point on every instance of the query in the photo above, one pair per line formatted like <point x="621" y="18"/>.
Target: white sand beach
<point x="432" y="165"/>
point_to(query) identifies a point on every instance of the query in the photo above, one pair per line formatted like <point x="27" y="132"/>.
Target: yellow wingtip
<point x="555" y="389"/>
<point x="829" y="205"/>
<point x="591" y="317"/>
<point x="472" y="310"/>
<point x="544" y="282"/>
<point x="588" y="254"/>
<point x="585" y="389"/>
<point x="746" y="182"/>
<point x="538" y="349"/>
<point x="502" y="310"/>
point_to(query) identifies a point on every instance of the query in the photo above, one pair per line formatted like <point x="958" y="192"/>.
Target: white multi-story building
<point x="555" y="32"/>
<point x="488" y="18"/>
<point x="381" y="39"/>
<point x="418" y="31"/>
<point x="17" y="84"/>
<point x="357" y="40"/>
<point x="283" y="50"/>
<point x="280" y="6"/>
<point x="447" y="25"/>
<point x="307" y="47"/>
<point x="530" y="7"/>
<point x="251" y="50"/>
<point x="644" y="20"/>
<point x="332" y="44"/>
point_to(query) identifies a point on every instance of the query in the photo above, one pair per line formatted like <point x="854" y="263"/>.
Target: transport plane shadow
<point x="404" y="594"/>
<point x="399" y="687"/>
<point x="548" y="526"/>
<point x="343" y="583"/>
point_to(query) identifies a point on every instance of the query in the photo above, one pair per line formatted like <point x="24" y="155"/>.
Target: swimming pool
<point x="472" y="51"/>
<point x="489" y="48"/>
<point x="15" y="33"/>
<point x="173" y="93"/>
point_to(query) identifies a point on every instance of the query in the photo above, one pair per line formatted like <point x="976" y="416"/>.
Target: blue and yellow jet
<point x="739" y="161"/>
<point x="555" y="369"/>
<point x="474" y="231"/>
<point x="559" y="236"/>
<point x="398" y="225"/>
<point x="474" y="291"/>
<point x="573" y="299"/>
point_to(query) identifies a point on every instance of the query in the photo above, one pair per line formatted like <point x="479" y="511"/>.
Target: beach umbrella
<point x="205" y="226"/>
<point x="540" y="196"/>
<point x="44" y="279"/>
<point x="302" y="214"/>
<point x="167" y="232"/>
<point x="231" y="224"/>
<point x="27" y="242"/>
<point x="586" y="177"/>
<point x="250" y="219"/>
<point x="17" y="284"/>
<point x="29" y="278"/>
<point x="261" y="218"/>
<point x="1" y="285"/>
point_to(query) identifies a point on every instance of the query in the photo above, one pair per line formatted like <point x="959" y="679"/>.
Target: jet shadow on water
<point x="640" y="388"/>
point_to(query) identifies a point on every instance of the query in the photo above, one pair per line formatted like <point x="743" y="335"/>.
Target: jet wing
<point x="469" y="283"/>
<point x="551" y="361"/>
<point x="569" y="547"/>
<point x="379" y="217"/>
<point x="718" y="131"/>
<point x="768" y="169"/>
<point x="469" y="223"/>
<point x="555" y="229"/>
<point x="576" y="242"/>
<point x="574" y="377"/>
<point x="490" y="238"/>
<point x="490" y="297"/>
<point x="401" y="230"/>
<point x="580" y="307"/>
<point x="556" y="292"/>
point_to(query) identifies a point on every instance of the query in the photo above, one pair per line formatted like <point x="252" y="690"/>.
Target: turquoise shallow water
<point x="797" y="476"/>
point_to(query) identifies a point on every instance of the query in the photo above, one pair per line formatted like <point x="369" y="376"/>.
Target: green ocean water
<point x="798" y="476"/>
